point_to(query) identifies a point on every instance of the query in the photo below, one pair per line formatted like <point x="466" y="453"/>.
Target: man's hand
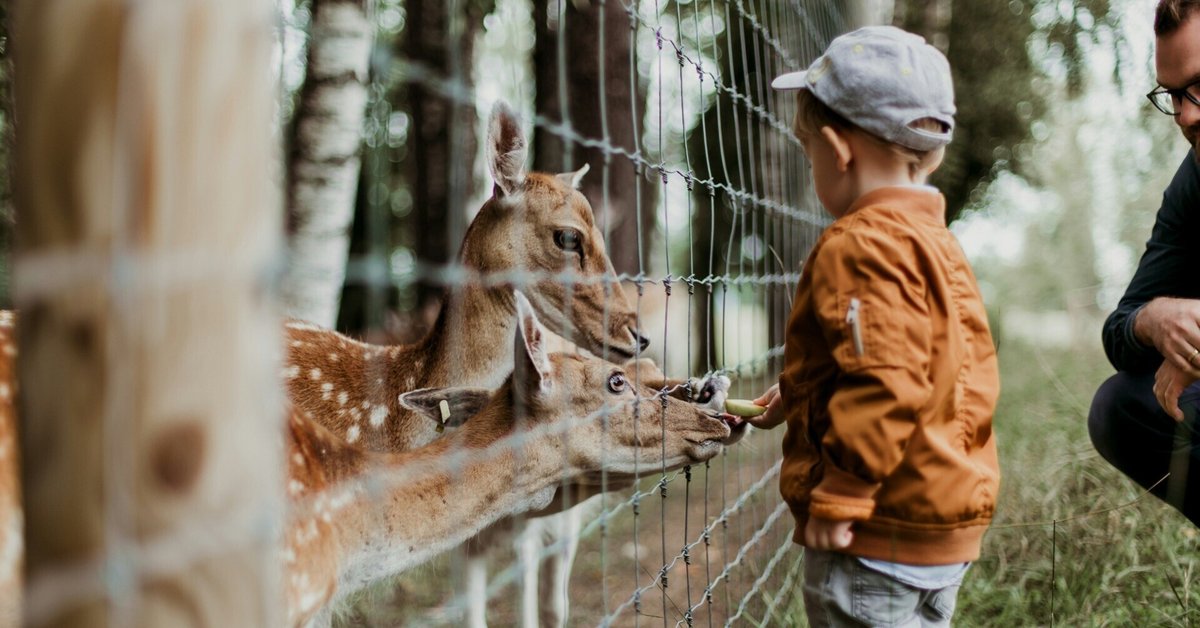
<point x="774" y="414"/>
<point x="1169" y="383"/>
<point x="826" y="534"/>
<point x="1173" y="327"/>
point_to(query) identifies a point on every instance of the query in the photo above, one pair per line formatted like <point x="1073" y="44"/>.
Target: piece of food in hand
<point x="743" y="407"/>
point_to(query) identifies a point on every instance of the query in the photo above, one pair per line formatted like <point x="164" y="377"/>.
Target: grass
<point x="1074" y="542"/>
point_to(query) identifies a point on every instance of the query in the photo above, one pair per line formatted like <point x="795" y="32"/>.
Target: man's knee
<point x="1108" y="405"/>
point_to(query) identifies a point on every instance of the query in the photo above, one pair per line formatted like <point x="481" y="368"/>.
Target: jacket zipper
<point x="855" y="328"/>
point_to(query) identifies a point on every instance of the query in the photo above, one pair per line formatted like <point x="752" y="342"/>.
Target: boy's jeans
<point x="840" y="591"/>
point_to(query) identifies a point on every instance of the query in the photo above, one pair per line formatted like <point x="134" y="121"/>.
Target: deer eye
<point x="616" y="383"/>
<point x="568" y="240"/>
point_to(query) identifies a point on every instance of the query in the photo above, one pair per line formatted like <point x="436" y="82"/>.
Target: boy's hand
<point x="774" y="414"/>
<point x="826" y="534"/>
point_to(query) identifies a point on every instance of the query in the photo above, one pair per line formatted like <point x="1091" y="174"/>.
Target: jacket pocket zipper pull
<point x="855" y="328"/>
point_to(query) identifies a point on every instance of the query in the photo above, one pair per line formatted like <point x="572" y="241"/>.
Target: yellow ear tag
<point x="445" y="408"/>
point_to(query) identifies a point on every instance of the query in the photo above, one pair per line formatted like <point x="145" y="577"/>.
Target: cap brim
<point x="791" y="80"/>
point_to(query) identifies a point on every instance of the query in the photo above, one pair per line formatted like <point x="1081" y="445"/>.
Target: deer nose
<point x="642" y="341"/>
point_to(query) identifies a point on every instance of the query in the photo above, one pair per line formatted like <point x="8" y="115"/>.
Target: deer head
<point x="573" y="288"/>
<point x="597" y="418"/>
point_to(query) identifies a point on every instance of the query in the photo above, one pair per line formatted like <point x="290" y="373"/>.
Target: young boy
<point x="890" y="375"/>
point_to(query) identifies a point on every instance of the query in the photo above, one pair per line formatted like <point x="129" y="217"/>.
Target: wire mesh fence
<point x="718" y="247"/>
<point x="708" y="248"/>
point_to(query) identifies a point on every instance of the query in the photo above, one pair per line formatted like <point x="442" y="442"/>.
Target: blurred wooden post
<point x="148" y="216"/>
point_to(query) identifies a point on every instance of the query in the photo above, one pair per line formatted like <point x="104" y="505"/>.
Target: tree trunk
<point x="442" y="141"/>
<point x="614" y="195"/>
<point x="147" y="222"/>
<point x="323" y="165"/>
<point x="435" y="163"/>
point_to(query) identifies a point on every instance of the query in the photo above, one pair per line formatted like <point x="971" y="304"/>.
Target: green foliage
<point x="1000" y="79"/>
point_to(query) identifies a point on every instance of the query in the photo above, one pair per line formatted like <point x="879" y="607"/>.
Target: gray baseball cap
<point x="883" y="79"/>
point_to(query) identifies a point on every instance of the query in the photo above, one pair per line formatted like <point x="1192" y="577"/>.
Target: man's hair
<point x="812" y="114"/>
<point x="1171" y="14"/>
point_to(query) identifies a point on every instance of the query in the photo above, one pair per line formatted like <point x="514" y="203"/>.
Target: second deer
<point x="360" y="516"/>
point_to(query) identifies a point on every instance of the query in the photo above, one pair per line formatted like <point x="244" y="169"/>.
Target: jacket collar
<point x="921" y="201"/>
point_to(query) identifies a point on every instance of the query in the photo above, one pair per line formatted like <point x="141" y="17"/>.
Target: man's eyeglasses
<point x="1170" y="101"/>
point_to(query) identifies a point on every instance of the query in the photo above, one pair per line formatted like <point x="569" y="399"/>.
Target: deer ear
<point x="461" y="403"/>
<point x="573" y="178"/>
<point x="505" y="151"/>
<point x="531" y="364"/>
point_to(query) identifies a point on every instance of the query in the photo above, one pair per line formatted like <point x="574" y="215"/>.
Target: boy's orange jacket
<point x="890" y="382"/>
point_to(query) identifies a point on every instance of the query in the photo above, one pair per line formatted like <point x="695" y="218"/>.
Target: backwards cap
<point x="883" y="79"/>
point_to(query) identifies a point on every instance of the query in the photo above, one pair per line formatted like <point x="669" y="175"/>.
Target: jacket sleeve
<point x="874" y="283"/>
<point x="1167" y="268"/>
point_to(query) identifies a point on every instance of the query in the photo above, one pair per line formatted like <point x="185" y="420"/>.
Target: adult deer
<point x="536" y="227"/>
<point x="359" y="516"/>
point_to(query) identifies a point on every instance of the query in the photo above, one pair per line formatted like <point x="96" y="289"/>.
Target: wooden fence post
<point x="148" y="217"/>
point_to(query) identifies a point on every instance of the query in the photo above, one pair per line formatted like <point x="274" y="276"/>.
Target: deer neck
<point x="465" y="345"/>
<point x="420" y="513"/>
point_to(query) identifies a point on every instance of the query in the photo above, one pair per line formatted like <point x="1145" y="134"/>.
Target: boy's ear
<point x="840" y="144"/>
<point x="934" y="161"/>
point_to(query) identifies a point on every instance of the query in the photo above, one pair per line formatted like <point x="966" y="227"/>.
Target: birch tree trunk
<point x="147" y="218"/>
<point x="324" y="160"/>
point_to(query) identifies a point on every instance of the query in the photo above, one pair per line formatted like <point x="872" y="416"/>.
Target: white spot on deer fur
<point x="308" y="533"/>
<point x="291" y="372"/>
<point x="343" y="397"/>
<point x="354" y="412"/>
<point x="10" y="350"/>
<point x="298" y="459"/>
<point x="296" y="343"/>
<point x="352" y="434"/>
<point x="315" y="373"/>
<point x="327" y="387"/>
<point x="302" y="326"/>
<point x="5" y="392"/>
<point x="295" y="487"/>
<point x="378" y="415"/>
<point x="289" y="556"/>
<point x="341" y="500"/>
<point x="366" y="404"/>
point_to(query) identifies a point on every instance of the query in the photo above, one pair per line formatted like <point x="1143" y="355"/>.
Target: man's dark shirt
<point x="1170" y="267"/>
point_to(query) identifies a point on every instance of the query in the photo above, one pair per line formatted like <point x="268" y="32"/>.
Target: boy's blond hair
<point x="812" y="114"/>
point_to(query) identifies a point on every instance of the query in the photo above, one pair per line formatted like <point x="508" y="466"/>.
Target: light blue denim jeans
<point x="840" y="591"/>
